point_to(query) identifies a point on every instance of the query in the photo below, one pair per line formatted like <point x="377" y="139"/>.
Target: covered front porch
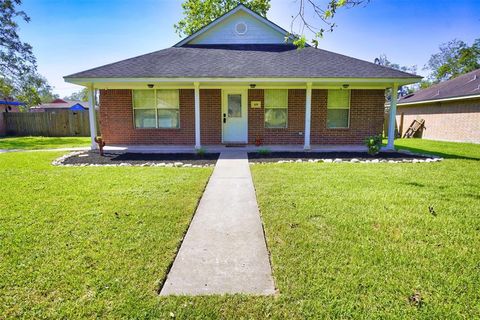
<point x="306" y="131"/>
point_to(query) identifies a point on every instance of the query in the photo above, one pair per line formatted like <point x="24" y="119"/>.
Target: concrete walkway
<point x="224" y="250"/>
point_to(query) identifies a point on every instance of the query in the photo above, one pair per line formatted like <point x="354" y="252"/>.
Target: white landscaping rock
<point x="354" y="160"/>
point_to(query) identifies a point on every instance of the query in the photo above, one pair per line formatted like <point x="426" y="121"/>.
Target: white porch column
<point x="197" y="115"/>
<point x="308" y="115"/>
<point x="92" y="117"/>
<point x="391" y="119"/>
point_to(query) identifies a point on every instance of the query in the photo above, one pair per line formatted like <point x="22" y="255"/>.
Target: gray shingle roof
<point x="256" y="61"/>
<point x="464" y="85"/>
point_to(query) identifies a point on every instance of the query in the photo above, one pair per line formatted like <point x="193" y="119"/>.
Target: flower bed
<point x="337" y="157"/>
<point x="93" y="158"/>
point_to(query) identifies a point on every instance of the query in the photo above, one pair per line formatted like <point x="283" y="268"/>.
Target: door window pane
<point x="235" y="105"/>
<point x="145" y="118"/>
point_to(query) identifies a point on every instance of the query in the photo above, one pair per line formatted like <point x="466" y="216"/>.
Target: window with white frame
<point x="338" y="109"/>
<point x="156" y="108"/>
<point x="276" y="108"/>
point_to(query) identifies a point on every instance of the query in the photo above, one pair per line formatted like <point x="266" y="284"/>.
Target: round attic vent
<point x="241" y="28"/>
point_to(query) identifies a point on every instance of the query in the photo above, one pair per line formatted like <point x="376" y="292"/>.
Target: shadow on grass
<point x="445" y="155"/>
<point x="42" y="142"/>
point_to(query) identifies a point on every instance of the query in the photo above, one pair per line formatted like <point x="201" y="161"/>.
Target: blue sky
<point x="71" y="36"/>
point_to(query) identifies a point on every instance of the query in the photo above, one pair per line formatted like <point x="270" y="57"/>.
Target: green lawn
<point x="346" y="240"/>
<point x="357" y="240"/>
<point x="86" y="242"/>
<point x="441" y="148"/>
<point x="35" y="143"/>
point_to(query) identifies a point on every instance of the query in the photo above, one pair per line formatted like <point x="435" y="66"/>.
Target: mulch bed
<point x="112" y="158"/>
<point x="346" y="156"/>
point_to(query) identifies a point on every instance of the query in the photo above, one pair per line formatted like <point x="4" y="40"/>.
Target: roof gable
<point x="238" y="26"/>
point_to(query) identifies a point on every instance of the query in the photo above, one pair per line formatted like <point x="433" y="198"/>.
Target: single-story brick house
<point x="450" y="109"/>
<point x="238" y="81"/>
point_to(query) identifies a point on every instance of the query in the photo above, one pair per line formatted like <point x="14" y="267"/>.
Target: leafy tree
<point x="18" y="69"/>
<point x="403" y="90"/>
<point x="424" y="84"/>
<point x="383" y="61"/>
<point x="81" y="95"/>
<point x="199" y="13"/>
<point x="16" y="57"/>
<point x="455" y="58"/>
<point x="32" y="90"/>
<point x="311" y="12"/>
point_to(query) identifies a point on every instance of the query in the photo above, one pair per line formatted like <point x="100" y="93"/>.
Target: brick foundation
<point x="366" y="118"/>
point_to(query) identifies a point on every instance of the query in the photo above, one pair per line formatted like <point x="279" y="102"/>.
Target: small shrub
<point x="201" y="152"/>
<point x="263" y="151"/>
<point x="374" y="143"/>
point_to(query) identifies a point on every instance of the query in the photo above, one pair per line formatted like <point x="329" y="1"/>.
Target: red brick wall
<point x="116" y="121"/>
<point x="450" y="121"/>
<point x="211" y="116"/>
<point x="366" y="118"/>
<point x="293" y="134"/>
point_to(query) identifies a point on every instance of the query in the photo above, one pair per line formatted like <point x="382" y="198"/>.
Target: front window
<point x="156" y="108"/>
<point x="338" y="109"/>
<point x="276" y="108"/>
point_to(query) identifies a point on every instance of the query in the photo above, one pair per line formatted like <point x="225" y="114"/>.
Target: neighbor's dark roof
<point x="258" y="61"/>
<point x="464" y="85"/>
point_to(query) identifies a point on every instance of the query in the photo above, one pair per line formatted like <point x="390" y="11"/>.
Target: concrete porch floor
<point x="222" y="148"/>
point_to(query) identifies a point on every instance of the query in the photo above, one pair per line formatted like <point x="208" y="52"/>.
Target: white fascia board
<point x="439" y="100"/>
<point x="225" y="16"/>
<point x="388" y="81"/>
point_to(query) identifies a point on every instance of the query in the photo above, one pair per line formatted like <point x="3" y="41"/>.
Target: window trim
<point x="156" y="110"/>
<point x="349" y="110"/>
<point x="265" y="110"/>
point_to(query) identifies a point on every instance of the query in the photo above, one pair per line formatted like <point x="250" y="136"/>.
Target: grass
<point x="89" y="242"/>
<point x="36" y="143"/>
<point x="361" y="240"/>
<point x="346" y="240"/>
<point x="445" y="149"/>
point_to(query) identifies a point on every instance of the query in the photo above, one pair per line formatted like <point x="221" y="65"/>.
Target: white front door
<point x="234" y="116"/>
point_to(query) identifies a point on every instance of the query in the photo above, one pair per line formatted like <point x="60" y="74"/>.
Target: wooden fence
<point x="49" y="124"/>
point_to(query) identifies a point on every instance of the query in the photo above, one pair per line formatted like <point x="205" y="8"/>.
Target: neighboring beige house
<point x="451" y="110"/>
